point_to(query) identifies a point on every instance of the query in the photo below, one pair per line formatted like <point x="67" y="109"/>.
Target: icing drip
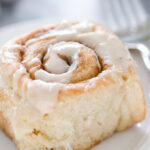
<point x="46" y="92"/>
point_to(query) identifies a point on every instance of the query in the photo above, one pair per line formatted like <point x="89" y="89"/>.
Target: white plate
<point x="135" y="138"/>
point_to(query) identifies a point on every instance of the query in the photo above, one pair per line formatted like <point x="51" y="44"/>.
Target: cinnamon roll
<point x="67" y="86"/>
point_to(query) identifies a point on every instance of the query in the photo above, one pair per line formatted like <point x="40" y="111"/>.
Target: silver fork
<point x="124" y="16"/>
<point x="144" y="51"/>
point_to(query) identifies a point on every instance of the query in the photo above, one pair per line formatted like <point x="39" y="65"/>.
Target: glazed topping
<point x="66" y="53"/>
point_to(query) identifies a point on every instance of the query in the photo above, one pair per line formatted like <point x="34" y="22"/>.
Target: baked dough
<point x="67" y="86"/>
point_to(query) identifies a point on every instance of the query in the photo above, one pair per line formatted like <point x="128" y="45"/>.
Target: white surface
<point x="135" y="138"/>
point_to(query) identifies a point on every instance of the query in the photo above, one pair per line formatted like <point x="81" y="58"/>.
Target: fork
<point x="144" y="51"/>
<point x="125" y="16"/>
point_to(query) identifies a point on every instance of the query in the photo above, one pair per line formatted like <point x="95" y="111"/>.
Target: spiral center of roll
<point x="61" y="57"/>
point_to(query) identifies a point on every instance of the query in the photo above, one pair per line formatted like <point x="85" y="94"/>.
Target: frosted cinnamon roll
<point x="67" y="86"/>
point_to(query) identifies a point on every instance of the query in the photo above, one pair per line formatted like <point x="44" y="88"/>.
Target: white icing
<point x="8" y="52"/>
<point x="17" y="75"/>
<point x="92" y="39"/>
<point x="43" y="91"/>
<point x="113" y="53"/>
<point x="43" y="95"/>
<point x="59" y="70"/>
<point x="83" y="27"/>
<point x="10" y="46"/>
<point x="68" y="49"/>
<point x="34" y="60"/>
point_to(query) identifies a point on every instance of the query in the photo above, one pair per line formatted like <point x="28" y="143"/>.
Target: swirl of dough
<point x="39" y="64"/>
<point x="61" y="62"/>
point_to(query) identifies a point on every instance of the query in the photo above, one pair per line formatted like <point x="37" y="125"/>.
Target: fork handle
<point x="144" y="51"/>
